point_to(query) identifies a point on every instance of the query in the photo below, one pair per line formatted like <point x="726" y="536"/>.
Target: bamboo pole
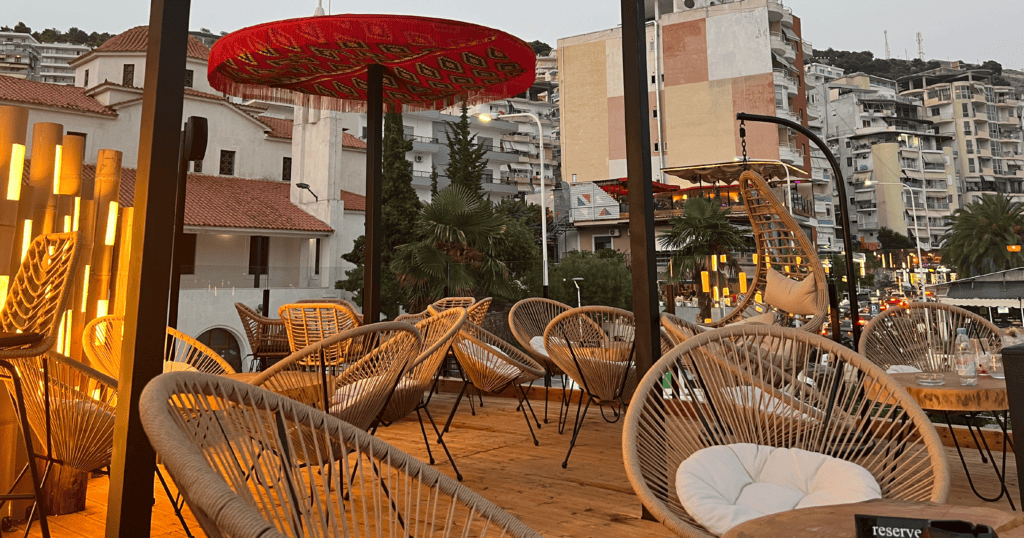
<point x="13" y="134"/>
<point x="47" y="139"/>
<point x="123" y="262"/>
<point x="105" y="195"/>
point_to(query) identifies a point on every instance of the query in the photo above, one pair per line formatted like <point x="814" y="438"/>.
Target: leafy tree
<point x="455" y="254"/>
<point x="50" y="35"/>
<point x="5" y="28"/>
<point x="398" y="218"/>
<point x="606" y="279"/>
<point x="892" y="240"/>
<point x="22" y="28"/>
<point x="519" y="248"/>
<point x="75" y="35"/>
<point x="466" y="162"/>
<point x="701" y="233"/>
<point x="980" y="232"/>
<point x="540" y="48"/>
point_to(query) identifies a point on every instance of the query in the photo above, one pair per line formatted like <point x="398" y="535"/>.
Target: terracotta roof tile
<point x="349" y="141"/>
<point x="136" y="40"/>
<point x="279" y="128"/>
<point x="55" y="95"/>
<point x="353" y="201"/>
<point x="197" y="93"/>
<point x="231" y="202"/>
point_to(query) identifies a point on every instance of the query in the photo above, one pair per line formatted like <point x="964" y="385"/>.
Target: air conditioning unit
<point x="419" y="158"/>
<point x="614" y="232"/>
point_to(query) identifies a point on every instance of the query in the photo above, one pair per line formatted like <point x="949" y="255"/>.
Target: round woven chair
<point x="593" y="345"/>
<point x="923" y="335"/>
<point x="452" y="302"/>
<point x="354" y="387"/>
<point x="268" y="338"/>
<point x="309" y="323"/>
<point x="102" y="338"/>
<point x="713" y="390"/>
<point x="478" y="310"/>
<point x="527" y="321"/>
<point x="678" y="329"/>
<point x="186" y="353"/>
<point x="342" y="302"/>
<point x="492" y="365"/>
<point x="204" y="429"/>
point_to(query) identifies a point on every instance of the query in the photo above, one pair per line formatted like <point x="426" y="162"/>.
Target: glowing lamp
<point x="4" y="283"/>
<point x="57" y="157"/>
<point x="1013" y="248"/>
<point x="16" y="172"/>
<point x="722" y="258"/>
<point x="111" y="225"/>
<point x="714" y="263"/>
<point x="705" y="281"/>
<point x="743" y="283"/>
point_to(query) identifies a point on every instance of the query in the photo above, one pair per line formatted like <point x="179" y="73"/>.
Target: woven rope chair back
<point x="478" y="310"/>
<point x="923" y="335"/>
<point x="310" y="323"/>
<point x="342" y="302"/>
<point x="715" y="389"/>
<point x="594" y="346"/>
<point x="413" y="318"/>
<point x="356" y="386"/>
<point x="527" y="321"/>
<point x="782" y="246"/>
<point x="438" y="333"/>
<point x="101" y="342"/>
<point x="266" y="336"/>
<point x="491" y="363"/>
<point x="38" y="295"/>
<point x="225" y="444"/>
<point x="452" y="302"/>
<point x="183" y="352"/>
<point x="678" y="329"/>
<point x="70" y="407"/>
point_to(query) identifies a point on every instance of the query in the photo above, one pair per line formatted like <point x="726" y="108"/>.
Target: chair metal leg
<point x="33" y="471"/>
<point x="529" y="405"/>
<point x="564" y="407"/>
<point x="440" y="440"/>
<point x="448" y="424"/>
<point x="576" y="429"/>
<point x="547" y="386"/>
<point x="177" y="502"/>
<point x="425" y="440"/>
<point x="517" y="389"/>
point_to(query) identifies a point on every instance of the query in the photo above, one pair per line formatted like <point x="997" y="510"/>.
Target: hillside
<point x="895" y="68"/>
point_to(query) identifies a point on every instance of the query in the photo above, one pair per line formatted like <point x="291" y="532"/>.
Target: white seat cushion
<point x="537" y="343"/>
<point x="902" y="369"/>
<point x="723" y="486"/>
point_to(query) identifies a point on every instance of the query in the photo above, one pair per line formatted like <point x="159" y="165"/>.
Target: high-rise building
<point x="985" y="122"/>
<point x="19" y="56"/>
<point x="707" y="60"/>
<point x="54" y="65"/>
<point x="899" y="169"/>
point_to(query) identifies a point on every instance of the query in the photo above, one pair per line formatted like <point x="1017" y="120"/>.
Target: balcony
<point x="1006" y="101"/>
<point x="782" y="46"/>
<point x="791" y="84"/>
<point x="791" y="154"/>
<point x="786" y="113"/>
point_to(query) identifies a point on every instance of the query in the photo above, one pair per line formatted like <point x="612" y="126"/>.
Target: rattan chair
<point x="527" y="321"/>
<point x="413" y="391"/>
<point x="478" y="310"/>
<point x="205" y="429"/>
<point x="923" y="335"/>
<point x="101" y="343"/>
<point x="30" y="318"/>
<point x="342" y="302"/>
<point x="710" y="391"/>
<point x="452" y="302"/>
<point x="268" y="338"/>
<point x="309" y="323"/>
<point x="678" y="329"/>
<point x="492" y="365"/>
<point x="186" y="353"/>
<point x="103" y="336"/>
<point x="781" y="246"/>
<point x="354" y="386"/>
<point x="593" y="345"/>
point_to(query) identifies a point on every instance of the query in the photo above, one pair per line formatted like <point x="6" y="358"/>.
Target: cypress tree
<point x="466" y="162"/>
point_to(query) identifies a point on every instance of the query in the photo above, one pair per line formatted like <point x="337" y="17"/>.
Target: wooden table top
<point x="837" y="521"/>
<point x="988" y="395"/>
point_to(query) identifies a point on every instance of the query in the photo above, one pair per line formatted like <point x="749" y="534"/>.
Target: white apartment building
<point x="22" y="56"/>
<point x="54" y="67"/>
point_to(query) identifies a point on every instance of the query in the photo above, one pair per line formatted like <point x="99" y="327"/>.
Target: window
<point x="86" y="83"/>
<point x="970" y="165"/>
<point x="655" y="113"/>
<point x="654" y="79"/>
<point x="936" y="111"/>
<point x="83" y="135"/>
<point x="316" y="254"/>
<point x="286" y="169"/>
<point x="969" y="144"/>
<point x="849" y="161"/>
<point x="967" y="127"/>
<point x="225" y="344"/>
<point x="963" y="92"/>
<point x="966" y="109"/>
<point x="602" y="241"/>
<point x="188" y="78"/>
<point x="197" y="166"/>
<point x="848" y="143"/>
<point x="259" y="254"/>
<point x="655" y="146"/>
<point x="187" y="254"/>
<point x="227" y="163"/>
<point x="128" y="75"/>
<point x="867" y="123"/>
<point x="364" y="133"/>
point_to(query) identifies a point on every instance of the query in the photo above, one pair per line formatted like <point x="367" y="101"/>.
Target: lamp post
<point x="543" y="209"/>
<point x="576" y="281"/>
<point x="917" y="233"/>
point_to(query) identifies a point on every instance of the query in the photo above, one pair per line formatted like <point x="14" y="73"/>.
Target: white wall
<point x="105" y="66"/>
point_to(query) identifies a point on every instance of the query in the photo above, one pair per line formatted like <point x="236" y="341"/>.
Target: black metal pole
<point x="179" y="217"/>
<point x="851" y="278"/>
<point x="1013" y="366"/>
<point x="374" y="174"/>
<point x="130" y="500"/>
<point x="641" y="193"/>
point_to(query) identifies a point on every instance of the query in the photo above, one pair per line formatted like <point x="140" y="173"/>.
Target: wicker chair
<point x="453" y="302"/>
<point x="102" y="338"/>
<point x="186" y="353"/>
<point x="478" y="310"/>
<point x="527" y="321"/>
<point x="342" y="302"/>
<point x="205" y="428"/>
<point x="781" y="246"/>
<point x="413" y="391"/>
<point x="267" y="337"/>
<point x="310" y="323"/>
<point x="678" y="329"/>
<point x="354" y="386"/>
<point x="30" y="320"/>
<point x="923" y="335"/>
<point x="101" y="342"/>
<point x="492" y="365"/>
<point x="593" y="345"/>
<point x="710" y="391"/>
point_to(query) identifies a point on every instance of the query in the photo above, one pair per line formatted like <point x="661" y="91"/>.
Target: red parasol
<point x="429" y="63"/>
<point x="360" y="62"/>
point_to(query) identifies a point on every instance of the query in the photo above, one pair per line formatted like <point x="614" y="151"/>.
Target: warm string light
<point x="754" y="257"/>
<point x="743" y="283"/>
<point x="57" y="157"/>
<point x="16" y="171"/>
<point x="757" y="297"/>
<point x="705" y="281"/>
<point x="102" y="306"/>
<point x="78" y="213"/>
<point x="26" y="238"/>
<point x="722" y="258"/>
<point x="85" y="288"/>
<point x="111" y="225"/>
<point x="5" y="281"/>
<point x="67" y="223"/>
<point x="714" y="263"/>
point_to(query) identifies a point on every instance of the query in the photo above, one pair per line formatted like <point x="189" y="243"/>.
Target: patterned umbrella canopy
<point x="322" y="62"/>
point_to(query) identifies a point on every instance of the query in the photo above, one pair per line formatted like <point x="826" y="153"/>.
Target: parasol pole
<point x="374" y="174"/>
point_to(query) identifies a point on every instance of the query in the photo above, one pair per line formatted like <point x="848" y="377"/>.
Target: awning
<point x="916" y="174"/>
<point x="865" y="196"/>
<point x="860" y="177"/>
<point x="993" y="303"/>
<point x="934" y="158"/>
<point x="789" y="35"/>
<point x="988" y="178"/>
<point x="784" y="63"/>
<point x="519" y="167"/>
<point x="524" y="147"/>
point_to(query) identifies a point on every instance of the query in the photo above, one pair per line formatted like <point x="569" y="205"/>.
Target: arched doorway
<point x="225" y="344"/>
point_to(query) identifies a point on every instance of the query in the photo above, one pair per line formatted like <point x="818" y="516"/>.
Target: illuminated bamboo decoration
<point x="124" y="254"/>
<point x="722" y="259"/>
<point x="104" y="230"/>
<point x="67" y="192"/>
<point x="714" y="264"/>
<point x="13" y="134"/>
<point x="716" y="293"/>
<point x="758" y="298"/>
<point x="705" y="281"/>
<point x="743" y="283"/>
<point x="725" y="292"/>
<point x="46" y="137"/>
<point x="754" y="257"/>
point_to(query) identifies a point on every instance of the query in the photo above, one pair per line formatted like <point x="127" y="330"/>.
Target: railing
<point x="424" y="139"/>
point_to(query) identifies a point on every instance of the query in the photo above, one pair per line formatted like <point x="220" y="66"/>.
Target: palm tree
<point x="976" y="242"/>
<point x="700" y="234"/>
<point x="456" y="251"/>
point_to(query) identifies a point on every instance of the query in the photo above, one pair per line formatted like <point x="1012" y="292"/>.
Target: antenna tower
<point x="920" y="46"/>
<point x="887" y="55"/>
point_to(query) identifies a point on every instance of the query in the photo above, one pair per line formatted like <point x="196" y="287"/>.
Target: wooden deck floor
<point x="590" y="499"/>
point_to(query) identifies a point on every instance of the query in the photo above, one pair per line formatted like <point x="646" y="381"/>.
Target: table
<point x="837" y="521"/>
<point x="989" y="395"/>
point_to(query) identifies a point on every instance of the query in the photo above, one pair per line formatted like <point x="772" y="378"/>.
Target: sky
<point x="969" y="31"/>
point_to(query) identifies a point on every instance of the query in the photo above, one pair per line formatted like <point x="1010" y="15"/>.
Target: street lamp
<point x="543" y="209"/>
<point x="306" y="186"/>
<point x="917" y="233"/>
<point x="576" y="281"/>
